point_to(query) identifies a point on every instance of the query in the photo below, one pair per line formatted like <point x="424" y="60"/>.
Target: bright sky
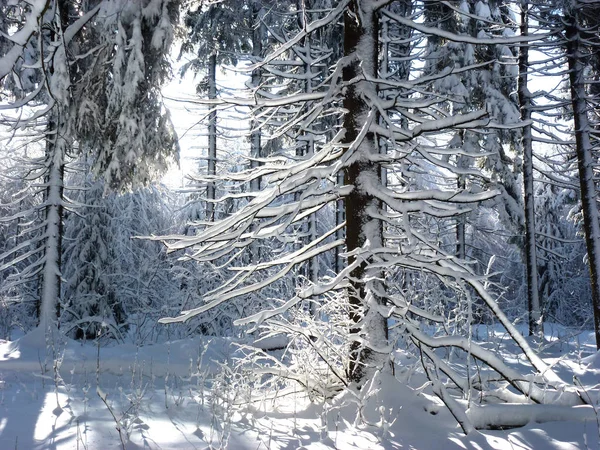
<point x="187" y="118"/>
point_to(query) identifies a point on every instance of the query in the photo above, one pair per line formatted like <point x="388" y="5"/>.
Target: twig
<point x="103" y="396"/>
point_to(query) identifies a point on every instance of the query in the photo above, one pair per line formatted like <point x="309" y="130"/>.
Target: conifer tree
<point x="411" y="116"/>
<point x="92" y="73"/>
<point x="581" y="45"/>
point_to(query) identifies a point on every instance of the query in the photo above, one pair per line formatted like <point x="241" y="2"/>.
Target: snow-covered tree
<point x="92" y="302"/>
<point x="218" y="34"/>
<point x="86" y="76"/>
<point x="582" y="27"/>
<point x="564" y="278"/>
<point x="116" y="284"/>
<point x="19" y="284"/>
<point x="411" y="116"/>
<point x="526" y="105"/>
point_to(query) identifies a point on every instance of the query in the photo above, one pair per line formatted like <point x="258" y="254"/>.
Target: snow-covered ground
<point x="169" y="396"/>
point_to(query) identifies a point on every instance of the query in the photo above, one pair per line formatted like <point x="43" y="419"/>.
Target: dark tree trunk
<point x="585" y="159"/>
<point x="533" y="292"/>
<point x="461" y="246"/>
<point x="368" y="332"/>
<point x="212" y="138"/>
<point x="255" y="134"/>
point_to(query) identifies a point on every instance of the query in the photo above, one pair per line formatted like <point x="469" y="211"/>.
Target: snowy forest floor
<point x="73" y="396"/>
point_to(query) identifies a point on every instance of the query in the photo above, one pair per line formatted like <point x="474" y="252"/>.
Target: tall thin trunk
<point x="462" y="162"/>
<point x="306" y="144"/>
<point x="313" y="263"/>
<point x="255" y="134"/>
<point x="338" y="262"/>
<point x="384" y="73"/>
<point x="49" y="310"/>
<point x="212" y="138"/>
<point x="368" y="332"/>
<point x="585" y="159"/>
<point x="461" y="245"/>
<point x="533" y="291"/>
<point x="56" y="143"/>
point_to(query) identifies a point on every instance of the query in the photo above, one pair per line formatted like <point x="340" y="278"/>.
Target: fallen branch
<point x="509" y="415"/>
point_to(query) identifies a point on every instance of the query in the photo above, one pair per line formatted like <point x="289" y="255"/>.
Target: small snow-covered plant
<point x="315" y="348"/>
<point x="201" y="374"/>
<point x="133" y="398"/>
<point x="123" y="435"/>
<point x="594" y="402"/>
<point x="127" y="415"/>
<point x="54" y="354"/>
<point x="226" y="391"/>
<point x="58" y="380"/>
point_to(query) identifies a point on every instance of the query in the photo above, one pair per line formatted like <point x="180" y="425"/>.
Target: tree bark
<point x="255" y="134"/>
<point x="49" y="310"/>
<point x="461" y="246"/>
<point x="57" y="132"/>
<point x="368" y="331"/>
<point x="306" y="147"/>
<point x="533" y="291"/>
<point x="338" y="261"/>
<point x="585" y="159"/>
<point x="212" y="138"/>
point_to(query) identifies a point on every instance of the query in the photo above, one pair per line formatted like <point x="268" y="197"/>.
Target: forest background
<point x="369" y="177"/>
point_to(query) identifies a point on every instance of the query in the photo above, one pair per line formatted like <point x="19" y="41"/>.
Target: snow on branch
<point x="480" y="40"/>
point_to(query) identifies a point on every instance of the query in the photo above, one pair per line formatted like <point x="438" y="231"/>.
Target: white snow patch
<point x="160" y="396"/>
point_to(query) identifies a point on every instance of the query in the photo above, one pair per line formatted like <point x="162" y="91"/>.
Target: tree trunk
<point x="368" y="332"/>
<point x="461" y="246"/>
<point x="313" y="263"/>
<point x="533" y="292"/>
<point x="306" y="147"/>
<point x="255" y="134"/>
<point x="339" y="219"/>
<point x="57" y="133"/>
<point x="212" y="138"/>
<point x="585" y="160"/>
<point x="51" y="273"/>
